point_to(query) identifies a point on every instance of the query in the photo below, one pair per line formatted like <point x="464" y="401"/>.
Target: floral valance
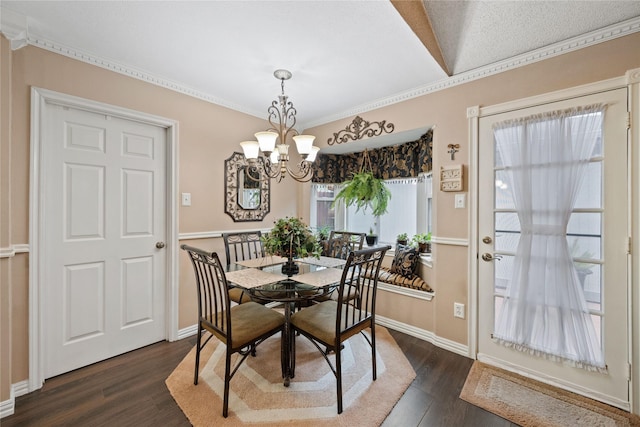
<point x="398" y="161"/>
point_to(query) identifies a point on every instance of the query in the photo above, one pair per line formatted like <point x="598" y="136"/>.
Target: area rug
<point x="530" y="403"/>
<point x="258" y="396"/>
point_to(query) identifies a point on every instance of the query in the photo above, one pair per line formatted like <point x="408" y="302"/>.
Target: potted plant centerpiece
<point x="291" y="238"/>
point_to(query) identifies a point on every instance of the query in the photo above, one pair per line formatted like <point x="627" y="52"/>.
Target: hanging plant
<point x="365" y="190"/>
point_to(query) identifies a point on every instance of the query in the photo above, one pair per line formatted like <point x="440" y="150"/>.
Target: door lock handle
<point x="160" y="245"/>
<point x="490" y="257"/>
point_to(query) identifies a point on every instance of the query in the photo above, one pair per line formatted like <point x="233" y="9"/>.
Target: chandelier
<point x="282" y="118"/>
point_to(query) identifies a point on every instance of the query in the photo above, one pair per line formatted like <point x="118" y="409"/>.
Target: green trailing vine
<point x="365" y="190"/>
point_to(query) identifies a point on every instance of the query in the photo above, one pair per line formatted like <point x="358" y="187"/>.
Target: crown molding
<point x="135" y="73"/>
<point x="633" y="76"/>
<point x="14" y="25"/>
<point x="589" y="39"/>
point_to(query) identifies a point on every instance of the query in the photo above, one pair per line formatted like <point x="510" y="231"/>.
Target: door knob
<point x="490" y="257"/>
<point x="160" y="245"/>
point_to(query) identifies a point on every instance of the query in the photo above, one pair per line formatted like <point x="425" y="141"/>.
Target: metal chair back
<point x="242" y="246"/>
<point x="343" y="242"/>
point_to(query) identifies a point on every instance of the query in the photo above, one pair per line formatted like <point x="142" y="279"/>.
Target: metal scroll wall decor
<point x="247" y="191"/>
<point x="360" y="128"/>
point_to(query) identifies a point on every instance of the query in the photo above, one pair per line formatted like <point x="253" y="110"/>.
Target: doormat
<point x="531" y="403"/>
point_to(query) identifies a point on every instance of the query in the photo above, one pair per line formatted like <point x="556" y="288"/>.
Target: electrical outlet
<point x="186" y="199"/>
<point x="458" y="310"/>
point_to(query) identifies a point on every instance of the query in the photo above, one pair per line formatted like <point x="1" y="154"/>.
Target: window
<point x="322" y="213"/>
<point x="409" y="210"/>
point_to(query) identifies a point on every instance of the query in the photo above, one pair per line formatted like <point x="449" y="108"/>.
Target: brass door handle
<point x="490" y="257"/>
<point x="160" y="245"/>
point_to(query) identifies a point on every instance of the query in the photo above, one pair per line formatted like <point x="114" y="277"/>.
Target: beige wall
<point x="447" y="111"/>
<point x="5" y="219"/>
<point x="208" y="134"/>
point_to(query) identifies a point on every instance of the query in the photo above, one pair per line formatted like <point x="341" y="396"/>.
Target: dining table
<point x="263" y="279"/>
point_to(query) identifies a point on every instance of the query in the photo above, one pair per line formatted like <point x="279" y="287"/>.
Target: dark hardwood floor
<point x="129" y="390"/>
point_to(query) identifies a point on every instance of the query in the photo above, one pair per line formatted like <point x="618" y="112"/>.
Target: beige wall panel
<point x="450" y="285"/>
<point x="5" y="218"/>
<point x="5" y="328"/>
<point x="5" y="143"/>
<point x="415" y="312"/>
<point x="19" y="280"/>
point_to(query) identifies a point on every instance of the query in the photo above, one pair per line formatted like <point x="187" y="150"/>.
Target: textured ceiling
<point x="346" y="56"/>
<point x="477" y="33"/>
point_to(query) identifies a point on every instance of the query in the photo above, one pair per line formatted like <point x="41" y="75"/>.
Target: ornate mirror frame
<point x="233" y="166"/>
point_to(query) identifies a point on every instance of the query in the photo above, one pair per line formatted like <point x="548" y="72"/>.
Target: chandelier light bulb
<point x="251" y="149"/>
<point x="274" y="157"/>
<point x="266" y="140"/>
<point x="314" y="152"/>
<point x="304" y="143"/>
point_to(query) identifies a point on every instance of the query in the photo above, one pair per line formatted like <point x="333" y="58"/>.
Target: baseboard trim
<point x="424" y="335"/>
<point x="187" y="332"/>
<point x="8" y="407"/>
<point x="21" y="388"/>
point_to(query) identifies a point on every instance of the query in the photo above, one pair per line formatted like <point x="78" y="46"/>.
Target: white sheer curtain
<point x="545" y="310"/>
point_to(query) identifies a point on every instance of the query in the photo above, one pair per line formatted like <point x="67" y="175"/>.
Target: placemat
<point x="252" y="277"/>
<point x="324" y="261"/>
<point x="262" y="262"/>
<point x="320" y="277"/>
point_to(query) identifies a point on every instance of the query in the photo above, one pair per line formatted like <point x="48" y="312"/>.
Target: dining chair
<point x="340" y="243"/>
<point x="332" y="322"/>
<point x="241" y="246"/>
<point x="241" y="327"/>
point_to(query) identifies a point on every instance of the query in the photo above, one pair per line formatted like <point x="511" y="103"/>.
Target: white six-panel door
<point x="104" y="199"/>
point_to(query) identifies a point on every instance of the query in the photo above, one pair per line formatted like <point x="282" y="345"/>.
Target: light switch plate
<point x="460" y="201"/>
<point x="186" y="199"/>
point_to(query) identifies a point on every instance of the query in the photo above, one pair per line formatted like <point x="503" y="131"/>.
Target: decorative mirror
<point x="246" y="190"/>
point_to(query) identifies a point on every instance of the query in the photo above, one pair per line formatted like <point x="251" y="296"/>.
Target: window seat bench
<point x="413" y="286"/>
<point x="414" y="282"/>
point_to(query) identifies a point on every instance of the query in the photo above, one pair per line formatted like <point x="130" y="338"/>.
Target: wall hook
<point x="453" y="149"/>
